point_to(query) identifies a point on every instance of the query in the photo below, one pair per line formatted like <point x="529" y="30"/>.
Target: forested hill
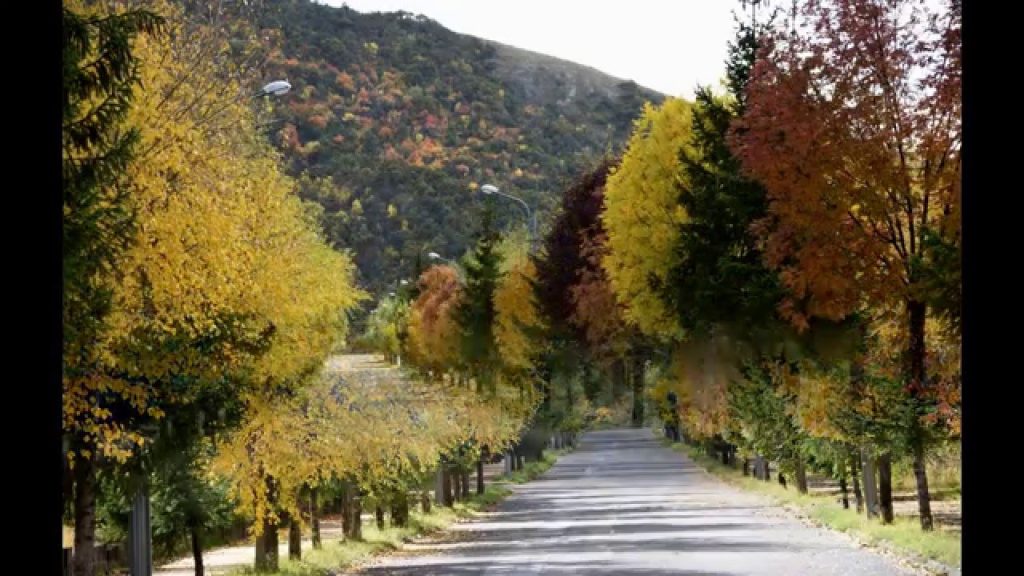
<point x="408" y="119"/>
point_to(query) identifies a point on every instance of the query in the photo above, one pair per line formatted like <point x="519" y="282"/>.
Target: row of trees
<point x="785" y="255"/>
<point x="777" y="266"/>
<point x="471" y="325"/>
<point x="201" y="302"/>
<point x="198" y="288"/>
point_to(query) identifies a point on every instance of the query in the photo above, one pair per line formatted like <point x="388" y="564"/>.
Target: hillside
<point x="408" y="119"/>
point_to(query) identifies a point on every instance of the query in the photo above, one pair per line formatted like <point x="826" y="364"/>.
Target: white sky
<point x="668" y="45"/>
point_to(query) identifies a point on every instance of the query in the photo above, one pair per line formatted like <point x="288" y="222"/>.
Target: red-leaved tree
<point x="853" y="125"/>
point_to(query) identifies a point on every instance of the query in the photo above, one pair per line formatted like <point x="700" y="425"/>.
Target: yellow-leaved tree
<point x="518" y="321"/>
<point x="642" y="216"/>
<point x="225" y="283"/>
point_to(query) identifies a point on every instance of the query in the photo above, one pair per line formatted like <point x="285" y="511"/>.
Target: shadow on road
<point x="624" y="504"/>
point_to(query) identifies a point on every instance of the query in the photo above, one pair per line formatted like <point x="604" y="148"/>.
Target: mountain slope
<point x="408" y="119"/>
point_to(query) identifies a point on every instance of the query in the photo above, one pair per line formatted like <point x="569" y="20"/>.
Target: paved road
<point x="623" y="504"/>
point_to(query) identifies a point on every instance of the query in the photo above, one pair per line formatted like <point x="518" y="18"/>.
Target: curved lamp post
<point x="531" y="218"/>
<point x="275" y="88"/>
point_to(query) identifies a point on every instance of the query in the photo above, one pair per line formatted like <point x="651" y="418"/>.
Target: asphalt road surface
<point x="624" y="504"/>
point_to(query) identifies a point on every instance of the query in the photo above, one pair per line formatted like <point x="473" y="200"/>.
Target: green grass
<point x="339" y="554"/>
<point x="903" y="535"/>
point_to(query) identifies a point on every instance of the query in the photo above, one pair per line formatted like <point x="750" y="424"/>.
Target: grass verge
<point x="532" y="470"/>
<point x="338" y="555"/>
<point x="903" y="536"/>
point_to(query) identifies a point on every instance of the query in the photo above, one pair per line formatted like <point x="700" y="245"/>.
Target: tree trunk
<point x="917" y="379"/>
<point x="346" y="510"/>
<point x="638" y="392"/>
<point x="357" y="517"/>
<point x="842" y="488"/>
<point x="260" y="560"/>
<point x="400" y="509"/>
<point x="801" y="476"/>
<point x="546" y="391"/>
<point x="885" y="487"/>
<point x="618" y="380"/>
<point x="855" y="473"/>
<point x="480" y="474"/>
<point x="924" y="506"/>
<point x="83" y="563"/>
<point x="767" y="470"/>
<point x="569" y="400"/>
<point x="870" y="488"/>
<point x="197" y="549"/>
<point x="465" y="483"/>
<point x="378" y="512"/>
<point x="314" y="519"/>
<point x="782" y="480"/>
<point x="425" y="502"/>
<point x="294" y="539"/>
<point x="746" y="466"/>
<point x="266" y="547"/>
<point x="446" y="487"/>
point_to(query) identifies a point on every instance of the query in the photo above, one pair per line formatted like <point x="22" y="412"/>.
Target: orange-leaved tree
<point x="853" y="125"/>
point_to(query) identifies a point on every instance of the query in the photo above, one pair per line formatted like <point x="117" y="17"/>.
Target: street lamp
<point x="436" y="256"/>
<point x="275" y="88"/>
<point x="531" y="218"/>
<point x="452" y="263"/>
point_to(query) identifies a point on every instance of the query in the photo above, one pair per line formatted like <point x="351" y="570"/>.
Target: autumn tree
<point x="642" y="215"/>
<point x="100" y="76"/>
<point x="595" y="309"/>
<point x="518" y="324"/>
<point x="853" y="126"/>
<point x="718" y="287"/>
<point x="558" y="268"/>
<point x="561" y="289"/>
<point x="225" y="283"/>
<point x="433" y="330"/>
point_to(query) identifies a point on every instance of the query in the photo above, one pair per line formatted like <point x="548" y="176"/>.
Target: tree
<point x="518" y="326"/>
<point x="476" y="311"/>
<point x="718" y="288"/>
<point x="759" y="406"/>
<point x="853" y="126"/>
<point x="642" y="216"/>
<point x="224" y="282"/>
<point x="719" y="280"/>
<point x="433" y="331"/>
<point x="100" y="74"/>
<point x="387" y="327"/>
<point x="595" y="310"/>
<point x="562" y="260"/>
